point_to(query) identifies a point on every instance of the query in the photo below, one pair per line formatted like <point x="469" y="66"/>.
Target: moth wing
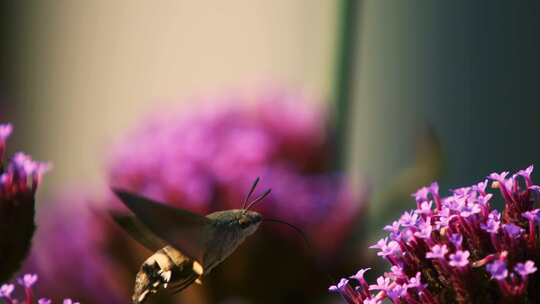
<point x="138" y="231"/>
<point x="188" y="232"/>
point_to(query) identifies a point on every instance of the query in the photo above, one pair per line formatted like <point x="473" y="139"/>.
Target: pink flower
<point x="469" y="242"/>
<point x="19" y="179"/>
<point x="27" y="281"/>
<point x="204" y="159"/>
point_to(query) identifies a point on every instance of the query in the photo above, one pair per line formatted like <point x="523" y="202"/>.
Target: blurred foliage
<point x="428" y="165"/>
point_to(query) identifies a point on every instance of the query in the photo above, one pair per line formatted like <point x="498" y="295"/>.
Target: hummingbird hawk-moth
<point x="187" y="246"/>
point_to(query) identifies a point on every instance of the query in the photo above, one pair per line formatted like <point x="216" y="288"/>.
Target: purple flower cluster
<point x="19" y="179"/>
<point x="71" y="254"/>
<point x="458" y="249"/>
<point x="26" y="281"/>
<point x="21" y="175"/>
<point x="204" y="159"/>
<point x="186" y="157"/>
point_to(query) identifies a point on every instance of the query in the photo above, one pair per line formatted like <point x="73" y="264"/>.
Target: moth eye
<point x="243" y="223"/>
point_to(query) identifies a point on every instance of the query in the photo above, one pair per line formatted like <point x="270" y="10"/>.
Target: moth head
<point x="246" y="219"/>
<point x="249" y="221"/>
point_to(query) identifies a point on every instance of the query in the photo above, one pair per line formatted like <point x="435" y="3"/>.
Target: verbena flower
<point x="27" y="282"/>
<point x="461" y="250"/>
<point x="205" y="158"/>
<point x="71" y="252"/>
<point x="19" y="179"/>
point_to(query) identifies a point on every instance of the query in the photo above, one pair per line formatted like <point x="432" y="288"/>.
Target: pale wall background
<point x="89" y="69"/>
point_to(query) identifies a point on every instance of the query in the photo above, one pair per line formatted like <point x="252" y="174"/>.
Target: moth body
<point x="166" y="267"/>
<point x="186" y="245"/>
<point x="230" y="229"/>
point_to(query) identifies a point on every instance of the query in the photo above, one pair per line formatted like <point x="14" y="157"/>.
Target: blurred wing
<point x="138" y="231"/>
<point x="184" y="230"/>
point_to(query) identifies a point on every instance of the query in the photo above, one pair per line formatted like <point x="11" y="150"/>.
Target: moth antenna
<point x="248" y="196"/>
<point x="258" y="199"/>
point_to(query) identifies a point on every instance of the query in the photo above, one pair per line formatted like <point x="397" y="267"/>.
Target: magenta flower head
<point x="9" y="296"/>
<point x="19" y="179"/>
<point x="206" y="157"/>
<point x="28" y="280"/>
<point x="464" y="250"/>
<point x="498" y="270"/>
<point x="71" y="254"/>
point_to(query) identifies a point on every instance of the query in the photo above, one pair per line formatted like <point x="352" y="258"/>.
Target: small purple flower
<point x="396" y="271"/>
<point x="359" y="276"/>
<point x="470" y="209"/>
<point x="425" y="208"/>
<point x="44" y="301"/>
<point x="491" y="226"/>
<point x="397" y="291"/>
<point x="69" y="301"/>
<point x="382" y="284"/>
<point x="459" y="258"/>
<point x="28" y="280"/>
<point x="498" y="270"/>
<point x="406" y="235"/>
<point x="6" y="290"/>
<point x="509" y="183"/>
<point x="434" y="188"/>
<point x="455" y="203"/>
<point x="422" y="194"/>
<point x="344" y="289"/>
<point x="481" y="186"/>
<point x="531" y="215"/>
<point x="527" y="172"/>
<point x="408" y="219"/>
<point x="500" y="177"/>
<point x="444" y="219"/>
<point x="456" y="239"/>
<point x="483" y="200"/>
<point x="463" y="191"/>
<point x="5" y="131"/>
<point x="391" y="249"/>
<point x="339" y="286"/>
<point x="415" y="282"/>
<point x="524" y="269"/>
<point x="394" y="228"/>
<point x="380" y="244"/>
<point x="437" y="252"/>
<point x="495" y="215"/>
<point x="513" y="231"/>
<point x="425" y="229"/>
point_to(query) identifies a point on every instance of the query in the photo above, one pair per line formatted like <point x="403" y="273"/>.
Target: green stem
<point x="344" y="77"/>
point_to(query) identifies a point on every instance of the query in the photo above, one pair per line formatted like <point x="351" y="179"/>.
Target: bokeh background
<point x="413" y="91"/>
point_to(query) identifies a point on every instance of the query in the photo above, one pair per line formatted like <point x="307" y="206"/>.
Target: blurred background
<point x="369" y="99"/>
